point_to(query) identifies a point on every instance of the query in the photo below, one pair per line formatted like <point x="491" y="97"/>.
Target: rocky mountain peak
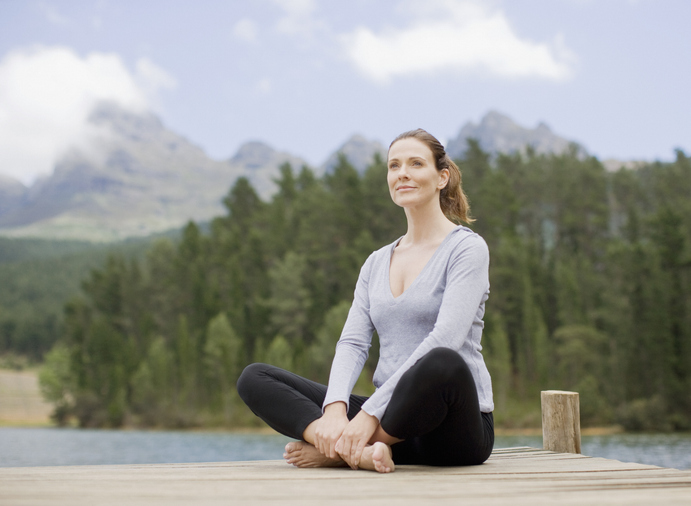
<point x="495" y="119"/>
<point x="253" y="154"/>
<point x="12" y="191"/>
<point x="133" y="177"/>
<point x="498" y="133"/>
<point x="138" y="126"/>
<point x="259" y="163"/>
<point x="358" y="150"/>
<point x="10" y="185"/>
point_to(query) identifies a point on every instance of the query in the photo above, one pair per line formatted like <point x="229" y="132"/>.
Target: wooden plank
<point x="523" y="476"/>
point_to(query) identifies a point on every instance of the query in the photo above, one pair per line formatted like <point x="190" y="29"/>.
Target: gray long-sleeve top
<point x="443" y="307"/>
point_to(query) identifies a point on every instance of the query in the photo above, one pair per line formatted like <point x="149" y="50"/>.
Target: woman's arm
<point x="353" y="346"/>
<point x="352" y="351"/>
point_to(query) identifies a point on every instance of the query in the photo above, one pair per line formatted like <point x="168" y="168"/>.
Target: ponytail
<point x="453" y="200"/>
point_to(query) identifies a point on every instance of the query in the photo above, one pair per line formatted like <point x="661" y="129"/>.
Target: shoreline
<point x="22" y="406"/>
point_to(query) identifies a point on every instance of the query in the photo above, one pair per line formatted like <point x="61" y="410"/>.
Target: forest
<point x="590" y="291"/>
<point x="37" y="277"/>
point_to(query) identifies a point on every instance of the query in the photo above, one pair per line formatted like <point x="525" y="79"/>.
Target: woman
<point x="425" y="296"/>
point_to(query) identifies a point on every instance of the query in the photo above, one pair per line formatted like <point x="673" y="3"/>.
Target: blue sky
<point x="303" y="75"/>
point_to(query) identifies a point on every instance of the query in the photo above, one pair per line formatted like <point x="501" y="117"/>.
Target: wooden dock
<point x="515" y="476"/>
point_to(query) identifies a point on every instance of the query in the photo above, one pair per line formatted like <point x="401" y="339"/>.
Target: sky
<point x="304" y="75"/>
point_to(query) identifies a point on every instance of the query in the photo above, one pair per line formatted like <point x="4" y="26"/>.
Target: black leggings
<point x="434" y="409"/>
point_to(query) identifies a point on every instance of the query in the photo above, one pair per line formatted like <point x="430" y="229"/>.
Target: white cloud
<point x="47" y="93"/>
<point x="150" y="79"/>
<point x="461" y="36"/>
<point x="246" y="30"/>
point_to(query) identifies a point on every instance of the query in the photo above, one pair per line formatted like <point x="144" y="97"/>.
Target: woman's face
<point x="412" y="176"/>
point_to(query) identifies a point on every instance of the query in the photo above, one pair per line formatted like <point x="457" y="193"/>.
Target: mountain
<point x="358" y="150"/>
<point x="498" y="133"/>
<point x="12" y="192"/>
<point x="259" y="163"/>
<point x="132" y="177"/>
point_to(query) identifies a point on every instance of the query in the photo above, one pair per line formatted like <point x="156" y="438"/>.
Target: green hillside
<point x="38" y="277"/>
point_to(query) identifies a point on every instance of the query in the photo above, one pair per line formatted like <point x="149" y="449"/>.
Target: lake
<point x="58" y="447"/>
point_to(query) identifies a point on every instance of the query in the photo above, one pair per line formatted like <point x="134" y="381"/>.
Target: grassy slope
<point x="21" y="403"/>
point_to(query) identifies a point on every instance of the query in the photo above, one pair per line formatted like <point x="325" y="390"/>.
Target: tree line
<point x="590" y="291"/>
<point x="37" y="278"/>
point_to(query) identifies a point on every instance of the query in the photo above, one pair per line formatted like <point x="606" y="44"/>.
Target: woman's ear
<point x="443" y="179"/>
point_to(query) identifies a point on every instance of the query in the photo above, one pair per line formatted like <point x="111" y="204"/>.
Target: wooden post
<point x="561" y="421"/>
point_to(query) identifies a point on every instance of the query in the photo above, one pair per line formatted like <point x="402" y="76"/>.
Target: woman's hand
<point x="329" y="429"/>
<point x="355" y="437"/>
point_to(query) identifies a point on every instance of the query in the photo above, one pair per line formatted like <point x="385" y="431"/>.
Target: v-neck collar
<point x="420" y="274"/>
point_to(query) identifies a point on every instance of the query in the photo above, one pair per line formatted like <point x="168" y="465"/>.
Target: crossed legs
<point x="433" y="417"/>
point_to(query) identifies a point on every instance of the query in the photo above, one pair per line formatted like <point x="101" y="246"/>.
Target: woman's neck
<point x="426" y="226"/>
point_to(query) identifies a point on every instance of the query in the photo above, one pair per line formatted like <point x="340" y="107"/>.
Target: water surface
<point x="58" y="447"/>
<point x="664" y="450"/>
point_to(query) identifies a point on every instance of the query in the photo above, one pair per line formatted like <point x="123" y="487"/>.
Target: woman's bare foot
<point x="301" y="454"/>
<point x="377" y="457"/>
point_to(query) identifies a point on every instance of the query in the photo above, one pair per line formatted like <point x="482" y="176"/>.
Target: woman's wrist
<point x="336" y="408"/>
<point x="366" y="417"/>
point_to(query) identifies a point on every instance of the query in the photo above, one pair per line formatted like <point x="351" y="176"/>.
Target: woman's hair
<point x="452" y="198"/>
